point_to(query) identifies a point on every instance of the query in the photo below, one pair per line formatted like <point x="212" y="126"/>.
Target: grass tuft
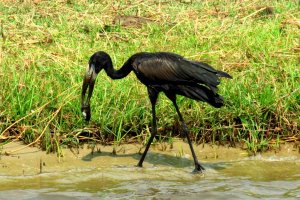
<point x="45" y="46"/>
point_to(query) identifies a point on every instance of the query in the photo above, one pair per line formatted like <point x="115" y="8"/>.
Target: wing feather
<point x="172" y="68"/>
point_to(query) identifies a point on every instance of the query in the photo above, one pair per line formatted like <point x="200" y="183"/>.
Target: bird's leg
<point x="153" y="94"/>
<point x="198" y="166"/>
<point x="153" y="133"/>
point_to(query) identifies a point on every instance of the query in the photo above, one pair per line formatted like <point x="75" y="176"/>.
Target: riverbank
<point x="33" y="161"/>
<point x="46" y="45"/>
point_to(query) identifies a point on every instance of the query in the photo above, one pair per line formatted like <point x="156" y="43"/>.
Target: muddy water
<point x="230" y="173"/>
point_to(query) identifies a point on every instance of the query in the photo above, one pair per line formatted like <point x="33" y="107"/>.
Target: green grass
<point x="45" y="47"/>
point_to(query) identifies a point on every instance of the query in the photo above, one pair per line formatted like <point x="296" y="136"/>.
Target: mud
<point x="32" y="161"/>
<point x="83" y="174"/>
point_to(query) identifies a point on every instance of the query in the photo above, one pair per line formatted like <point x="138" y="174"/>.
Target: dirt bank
<point x="31" y="160"/>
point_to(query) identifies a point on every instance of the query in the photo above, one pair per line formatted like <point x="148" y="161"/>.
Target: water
<point x="269" y="177"/>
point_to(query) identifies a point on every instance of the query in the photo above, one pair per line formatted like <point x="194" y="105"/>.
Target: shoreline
<point x="34" y="161"/>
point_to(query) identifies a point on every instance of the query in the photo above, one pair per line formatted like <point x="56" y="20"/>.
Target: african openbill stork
<point x="164" y="72"/>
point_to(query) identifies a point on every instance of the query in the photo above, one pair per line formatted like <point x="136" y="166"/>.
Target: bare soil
<point x="32" y="161"/>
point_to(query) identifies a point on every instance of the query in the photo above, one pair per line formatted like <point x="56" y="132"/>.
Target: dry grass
<point x="45" y="46"/>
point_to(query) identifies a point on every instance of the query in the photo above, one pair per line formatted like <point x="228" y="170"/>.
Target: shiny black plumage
<point x="160" y="72"/>
<point x="172" y="72"/>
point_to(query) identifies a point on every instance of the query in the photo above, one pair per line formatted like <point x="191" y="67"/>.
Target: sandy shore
<point x="31" y="160"/>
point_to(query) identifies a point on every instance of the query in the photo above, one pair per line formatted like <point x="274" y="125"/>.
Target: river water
<point x="267" y="177"/>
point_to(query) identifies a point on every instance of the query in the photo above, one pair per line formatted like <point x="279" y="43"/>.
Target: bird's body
<point x="169" y="72"/>
<point x="161" y="72"/>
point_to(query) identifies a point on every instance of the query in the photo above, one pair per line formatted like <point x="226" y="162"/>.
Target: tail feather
<point x="200" y="93"/>
<point x="223" y="74"/>
<point x="208" y="75"/>
<point x="204" y="66"/>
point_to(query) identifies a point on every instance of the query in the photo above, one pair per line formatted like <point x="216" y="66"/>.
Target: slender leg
<point x="153" y="94"/>
<point x="198" y="166"/>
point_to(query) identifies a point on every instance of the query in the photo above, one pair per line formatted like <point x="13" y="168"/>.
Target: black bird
<point x="164" y="72"/>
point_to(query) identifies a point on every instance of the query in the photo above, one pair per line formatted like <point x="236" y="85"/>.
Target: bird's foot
<point x="139" y="165"/>
<point x="198" y="168"/>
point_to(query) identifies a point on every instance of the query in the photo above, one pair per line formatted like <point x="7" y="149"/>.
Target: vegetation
<point x="45" y="46"/>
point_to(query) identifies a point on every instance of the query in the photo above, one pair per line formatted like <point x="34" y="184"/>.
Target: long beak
<point x="88" y="82"/>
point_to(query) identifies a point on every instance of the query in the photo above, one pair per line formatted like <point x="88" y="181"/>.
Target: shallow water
<point x="271" y="177"/>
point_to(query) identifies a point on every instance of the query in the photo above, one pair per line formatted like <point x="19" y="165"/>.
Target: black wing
<point x="172" y="68"/>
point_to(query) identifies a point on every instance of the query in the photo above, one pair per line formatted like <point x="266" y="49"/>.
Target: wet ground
<point x="230" y="173"/>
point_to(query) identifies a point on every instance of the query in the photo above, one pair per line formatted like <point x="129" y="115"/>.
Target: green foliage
<point x="45" y="47"/>
<point x="29" y="136"/>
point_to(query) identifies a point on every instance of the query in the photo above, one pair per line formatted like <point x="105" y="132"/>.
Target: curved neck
<point x="120" y="73"/>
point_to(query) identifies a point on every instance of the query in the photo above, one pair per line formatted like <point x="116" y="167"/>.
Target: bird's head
<point x="98" y="61"/>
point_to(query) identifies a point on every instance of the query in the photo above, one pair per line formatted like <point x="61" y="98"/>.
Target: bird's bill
<point x="88" y="82"/>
